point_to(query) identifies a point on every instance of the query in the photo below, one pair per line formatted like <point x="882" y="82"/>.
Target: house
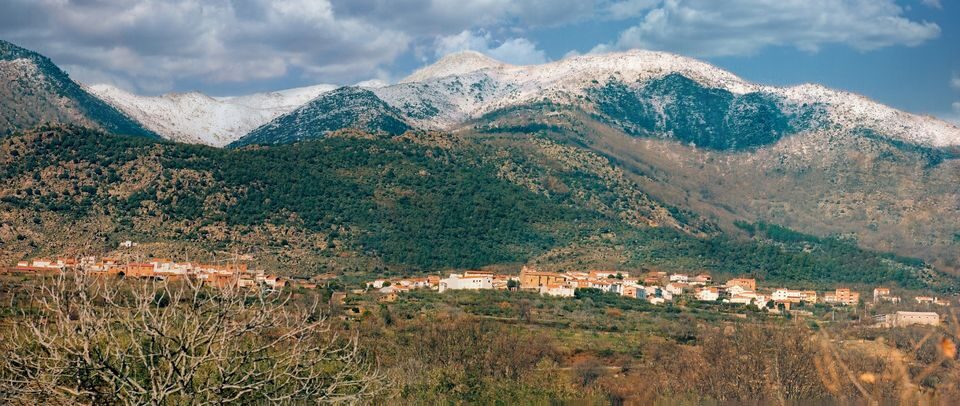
<point x="736" y="290"/>
<point x="924" y="299"/>
<point x="747" y="297"/>
<point x="502" y="282"/>
<point x="784" y="295"/>
<point x="391" y="289"/>
<point x="745" y="283"/>
<point x="658" y="292"/>
<point x="677" y="288"/>
<point x="460" y="282"/>
<point x="532" y="279"/>
<point x="842" y="296"/>
<point x="701" y="279"/>
<point x="632" y="291"/>
<point x="128" y="244"/>
<point x="478" y="272"/>
<point x="139" y="270"/>
<point x="607" y="286"/>
<point x="679" y="277"/>
<point x="557" y="290"/>
<point x="274" y="281"/>
<point x="707" y="294"/>
<point x="902" y="319"/>
<point x="654" y="279"/>
<point x="608" y="274"/>
<point x="880" y="293"/>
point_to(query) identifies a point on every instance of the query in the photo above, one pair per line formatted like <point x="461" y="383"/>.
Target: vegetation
<point x="136" y="342"/>
<point x="344" y="108"/>
<point x="49" y="95"/>
<point x="682" y="109"/>
<point x="400" y="201"/>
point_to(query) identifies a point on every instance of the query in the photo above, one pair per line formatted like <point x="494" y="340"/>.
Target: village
<point x="234" y="274"/>
<point x="658" y="288"/>
<point x="654" y="287"/>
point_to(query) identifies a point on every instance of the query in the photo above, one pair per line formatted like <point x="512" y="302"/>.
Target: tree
<point x="512" y="284"/>
<point x="524" y="310"/>
<point x="152" y="342"/>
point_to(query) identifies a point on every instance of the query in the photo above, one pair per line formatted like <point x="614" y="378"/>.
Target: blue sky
<point x="904" y="53"/>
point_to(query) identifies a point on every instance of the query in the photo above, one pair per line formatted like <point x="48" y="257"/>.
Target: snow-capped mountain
<point x="198" y="118"/>
<point x="467" y="85"/>
<point x="636" y="91"/>
<point x="34" y="91"/>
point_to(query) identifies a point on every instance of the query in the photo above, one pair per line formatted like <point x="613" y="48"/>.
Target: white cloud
<point x="933" y="3"/>
<point x="517" y="51"/>
<point x="154" y="45"/>
<point x="955" y="81"/>
<point x="630" y="8"/>
<point x="164" y="45"/>
<point x="430" y="18"/>
<point x="743" y="27"/>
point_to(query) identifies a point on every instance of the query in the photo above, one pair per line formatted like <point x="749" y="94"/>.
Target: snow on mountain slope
<point x="852" y="110"/>
<point x="454" y="64"/>
<point x="467" y="85"/>
<point x="197" y="118"/>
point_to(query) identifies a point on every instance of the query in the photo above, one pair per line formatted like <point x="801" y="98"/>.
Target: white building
<point x="460" y="282"/>
<point x="607" y="286"/>
<point x="901" y="319"/>
<point x="787" y="295"/>
<point x="708" y="294"/>
<point x="679" y="277"/>
<point x="736" y="290"/>
<point x="557" y="290"/>
<point x="655" y="292"/>
<point x="676" y="288"/>
<point x="747" y="297"/>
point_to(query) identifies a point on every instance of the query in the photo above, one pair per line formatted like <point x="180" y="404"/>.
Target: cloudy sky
<point x="901" y="52"/>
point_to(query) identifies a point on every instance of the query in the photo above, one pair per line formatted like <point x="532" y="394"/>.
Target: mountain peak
<point x="458" y="63"/>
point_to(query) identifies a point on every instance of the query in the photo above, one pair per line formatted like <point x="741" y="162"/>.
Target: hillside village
<point x="223" y="275"/>
<point x="658" y="287"/>
<point x="654" y="287"/>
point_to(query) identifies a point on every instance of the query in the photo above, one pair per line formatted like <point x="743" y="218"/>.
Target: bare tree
<point x="89" y="340"/>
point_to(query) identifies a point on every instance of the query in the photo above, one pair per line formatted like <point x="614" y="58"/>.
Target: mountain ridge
<point x="36" y="91"/>
<point x="465" y="86"/>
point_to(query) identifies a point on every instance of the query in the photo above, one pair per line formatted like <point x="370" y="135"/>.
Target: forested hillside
<point x="417" y="202"/>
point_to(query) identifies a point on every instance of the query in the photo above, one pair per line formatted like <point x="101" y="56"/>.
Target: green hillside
<point x="346" y="107"/>
<point x="679" y="108"/>
<point x="415" y="202"/>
